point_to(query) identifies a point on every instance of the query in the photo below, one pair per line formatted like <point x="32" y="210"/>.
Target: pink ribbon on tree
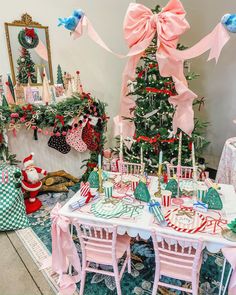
<point x="230" y="255"/>
<point x="63" y="252"/>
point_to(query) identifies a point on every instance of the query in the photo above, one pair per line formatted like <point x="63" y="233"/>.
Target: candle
<point x="121" y="141"/>
<point x="180" y="148"/>
<point x="99" y="161"/>
<point x="160" y="157"/>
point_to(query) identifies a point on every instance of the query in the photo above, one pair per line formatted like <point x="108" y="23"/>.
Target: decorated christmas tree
<point x="26" y="67"/>
<point x="153" y="116"/>
<point x="59" y="75"/>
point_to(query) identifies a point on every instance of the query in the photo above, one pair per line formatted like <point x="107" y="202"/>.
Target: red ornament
<point x="64" y="133"/>
<point x="190" y="144"/>
<point x="22" y="119"/>
<point x="34" y="127"/>
<point x="77" y="72"/>
<point x="58" y="134"/>
<point x="14" y="115"/>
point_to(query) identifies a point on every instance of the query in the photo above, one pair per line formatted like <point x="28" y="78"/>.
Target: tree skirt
<point x="37" y="241"/>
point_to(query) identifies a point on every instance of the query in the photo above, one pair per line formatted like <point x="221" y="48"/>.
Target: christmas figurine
<point x="31" y="183"/>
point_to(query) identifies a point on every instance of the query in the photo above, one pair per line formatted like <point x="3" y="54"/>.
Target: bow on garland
<point x="30" y="33"/>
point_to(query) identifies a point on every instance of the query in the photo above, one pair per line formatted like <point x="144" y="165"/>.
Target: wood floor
<point x="19" y="273"/>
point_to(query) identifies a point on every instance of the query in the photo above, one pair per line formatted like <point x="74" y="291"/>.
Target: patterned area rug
<point x="37" y="241"/>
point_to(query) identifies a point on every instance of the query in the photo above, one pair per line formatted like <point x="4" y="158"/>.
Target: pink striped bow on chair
<point x="230" y="255"/>
<point x="63" y="252"/>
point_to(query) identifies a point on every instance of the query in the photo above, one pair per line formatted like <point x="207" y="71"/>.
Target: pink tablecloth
<point x="226" y="172"/>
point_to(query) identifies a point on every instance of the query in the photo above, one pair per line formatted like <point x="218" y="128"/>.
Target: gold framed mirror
<point x="29" y="51"/>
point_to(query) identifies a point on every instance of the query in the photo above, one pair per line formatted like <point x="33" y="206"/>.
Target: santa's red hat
<point x="28" y="160"/>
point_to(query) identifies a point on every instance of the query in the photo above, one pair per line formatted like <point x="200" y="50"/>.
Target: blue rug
<point x="140" y="281"/>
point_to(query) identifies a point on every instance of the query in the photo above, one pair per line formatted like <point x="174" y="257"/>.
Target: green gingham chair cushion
<point x="12" y="208"/>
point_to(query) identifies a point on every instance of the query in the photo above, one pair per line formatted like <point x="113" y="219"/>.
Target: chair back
<point x="186" y="172"/>
<point x="97" y="239"/>
<point x="173" y="251"/>
<point x="131" y="168"/>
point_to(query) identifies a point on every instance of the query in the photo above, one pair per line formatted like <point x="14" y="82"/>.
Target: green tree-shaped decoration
<point x="172" y="186"/>
<point x="141" y="192"/>
<point x="232" y="226"/>
<point x="25" y="68"/>
<point x="212" y="198"/>
<point x="93" y="179"/>
<point x="59" y="76"/>
<point x="4" y="101"/>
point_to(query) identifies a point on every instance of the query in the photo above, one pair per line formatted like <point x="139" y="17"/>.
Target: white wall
<point x="100" y="70"/>
<point x="216" y="82"/>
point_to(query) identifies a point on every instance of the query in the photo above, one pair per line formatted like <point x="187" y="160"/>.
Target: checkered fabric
<point x="12" y="208"/>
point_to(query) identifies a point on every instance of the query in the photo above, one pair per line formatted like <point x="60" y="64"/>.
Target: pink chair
<point x="177" y="258"/>
<point x="102" y="245"/>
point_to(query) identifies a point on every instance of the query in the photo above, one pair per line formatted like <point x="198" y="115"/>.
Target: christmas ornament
<point x="141" y="192"/>
<point x="93" y="179"/>
<point x="31" y="183"/>
<point x="212" y="198"/>
<point x="91" y="137"/>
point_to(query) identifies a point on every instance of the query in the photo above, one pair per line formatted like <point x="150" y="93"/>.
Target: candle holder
<point x="158" y="193"/>
<point x="100" y="188"/>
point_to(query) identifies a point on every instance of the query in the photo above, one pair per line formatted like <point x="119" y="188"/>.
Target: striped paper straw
<point x="155" y="208"/>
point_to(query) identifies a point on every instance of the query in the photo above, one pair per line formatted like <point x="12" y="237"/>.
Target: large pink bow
<point x="230" y="255"/>
<point x="140" y="26"/>
<point x="63" y="252"/>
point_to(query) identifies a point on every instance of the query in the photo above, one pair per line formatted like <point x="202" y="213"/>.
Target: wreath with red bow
<point x="28" y="38"/>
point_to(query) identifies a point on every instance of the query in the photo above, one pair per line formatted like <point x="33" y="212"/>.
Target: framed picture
<point x="36" y="94"/>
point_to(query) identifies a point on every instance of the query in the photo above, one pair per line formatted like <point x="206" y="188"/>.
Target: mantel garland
<point x="43" y="118"/>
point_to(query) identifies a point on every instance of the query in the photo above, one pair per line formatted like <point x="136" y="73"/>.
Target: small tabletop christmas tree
<point x="26" y="67"/>
<point x="142" y="193"/>
<point x="212" y="198"/>
<point x="59" y="75"/>
<point x="93" y="179"/>
<point x="172" y="186"/>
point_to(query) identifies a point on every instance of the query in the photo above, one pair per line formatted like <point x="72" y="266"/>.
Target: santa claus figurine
<point x="31" y="183"/>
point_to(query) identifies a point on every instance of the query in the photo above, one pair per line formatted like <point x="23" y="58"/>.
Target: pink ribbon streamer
<point x="140" y="26"/>
<point x="63" y="252"/>
<point x="230" y="255"/>
<point x="41" y="50"/>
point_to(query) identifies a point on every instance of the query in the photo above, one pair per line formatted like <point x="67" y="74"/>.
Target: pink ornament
<point x="95" y="114"/>
<point x="46" y="132"/>
<point x="51" y="133"/>
<point x="58" y="134"/>
<point x="107" y="153"/>
<point x="14" y="115"/>
<point x="40" y="130"/>
<point x="22" y="119"/>
<point x="34" y="127"/>
<point x="64" y="133"/>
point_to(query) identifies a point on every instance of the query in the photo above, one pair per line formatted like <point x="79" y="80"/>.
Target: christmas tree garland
<point x="43" y="118"/>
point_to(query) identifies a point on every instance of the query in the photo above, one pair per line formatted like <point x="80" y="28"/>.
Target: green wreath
<point x="23" y="41"/>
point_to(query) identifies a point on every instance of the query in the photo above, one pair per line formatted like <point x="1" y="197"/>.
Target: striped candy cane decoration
<point x="84" y="188"/>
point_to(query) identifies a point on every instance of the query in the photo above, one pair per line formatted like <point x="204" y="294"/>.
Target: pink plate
<point x="185" y="220"/>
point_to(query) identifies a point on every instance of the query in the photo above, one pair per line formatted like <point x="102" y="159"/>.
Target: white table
<point x="226" y="172"/>
<point x="145" y="223"/>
